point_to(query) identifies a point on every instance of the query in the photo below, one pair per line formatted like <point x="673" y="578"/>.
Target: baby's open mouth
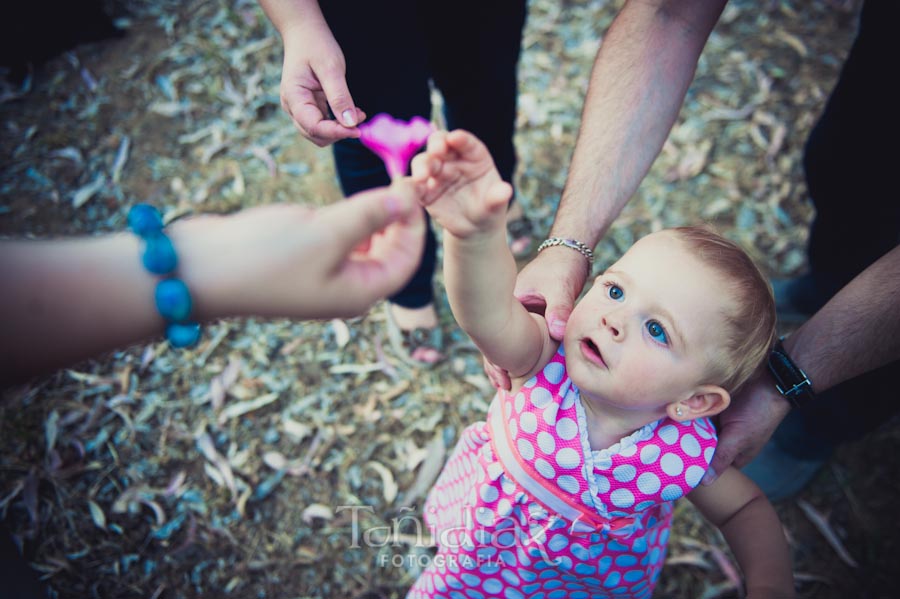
<point x="592" y="352"/>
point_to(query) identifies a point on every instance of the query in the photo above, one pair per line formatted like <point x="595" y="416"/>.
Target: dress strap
<point x="583" y="520"/>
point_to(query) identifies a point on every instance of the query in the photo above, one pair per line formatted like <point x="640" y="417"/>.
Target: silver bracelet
<point x="579" y="247"/>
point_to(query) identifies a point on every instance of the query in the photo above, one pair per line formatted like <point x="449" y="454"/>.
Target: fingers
<point x="309" y="111"/>
<point x="364" y="214"/>
<point x="499" y="378"/>
<point x="334" y="83"/>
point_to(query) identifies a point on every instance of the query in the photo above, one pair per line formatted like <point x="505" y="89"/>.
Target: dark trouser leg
<point x="474" y="57"/>
<point x="851" y="179"/>
<point x="387" y="71"/>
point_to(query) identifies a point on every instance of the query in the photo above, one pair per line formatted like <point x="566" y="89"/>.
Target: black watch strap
<point x="790" y="380"/>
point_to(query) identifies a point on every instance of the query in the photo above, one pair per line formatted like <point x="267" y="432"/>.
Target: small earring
<point x="678" y="412"/>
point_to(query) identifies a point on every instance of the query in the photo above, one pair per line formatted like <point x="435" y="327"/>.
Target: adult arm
<point x="858" y="330"/>
<point x="66" y="300"/>
<point x="640" y="76"/>
<point x="313" y="76"/>
<point x="751" y="527"/>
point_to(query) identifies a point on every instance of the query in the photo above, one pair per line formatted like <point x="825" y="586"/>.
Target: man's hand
<point x="313" y="79"/>
<point x="748" y="423"/>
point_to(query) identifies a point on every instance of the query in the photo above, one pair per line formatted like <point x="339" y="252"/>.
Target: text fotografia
<point x="490" y="541"/>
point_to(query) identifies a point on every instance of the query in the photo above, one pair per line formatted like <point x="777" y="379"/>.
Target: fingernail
<point x="557" y="328"/>
<point x="347" y="115"/>
<point x="710" y="477"/>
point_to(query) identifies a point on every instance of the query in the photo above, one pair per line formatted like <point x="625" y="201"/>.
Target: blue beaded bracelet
<point x="173" y="300"/>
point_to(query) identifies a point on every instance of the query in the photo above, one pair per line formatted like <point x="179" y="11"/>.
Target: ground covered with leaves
<point x="290" y="459"/>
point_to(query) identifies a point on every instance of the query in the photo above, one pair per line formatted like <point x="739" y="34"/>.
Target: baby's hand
<point x="463" y="191"/>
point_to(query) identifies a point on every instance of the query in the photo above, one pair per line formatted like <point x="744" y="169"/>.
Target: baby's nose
<point x="610" y="323"/>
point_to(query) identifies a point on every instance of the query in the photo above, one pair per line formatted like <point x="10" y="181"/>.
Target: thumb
<point x="725" y="454"/>
<point x="366" y="213"/>
<point x="334" y="83"/>
<point x="559" y="308"/>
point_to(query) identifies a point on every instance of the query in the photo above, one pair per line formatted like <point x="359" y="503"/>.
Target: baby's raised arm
<point x="466" y="196"/>
<point x="750" y="525"/>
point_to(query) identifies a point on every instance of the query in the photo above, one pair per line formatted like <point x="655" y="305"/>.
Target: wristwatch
<point x="790" y="380"/>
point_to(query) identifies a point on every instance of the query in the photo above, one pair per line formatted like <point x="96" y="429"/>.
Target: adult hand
<point x="313" y="79"/>
<point x="548" y="285"/>
<point x="748" y="423"/>
<point x="300" y="262"/>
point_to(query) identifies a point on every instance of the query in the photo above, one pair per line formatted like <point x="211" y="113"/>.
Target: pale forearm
<point x="857" y="331"/>
<point x="640" y="76"/>
<point x="757" y="540"/>
<point x="480" y="275"/>
<point x="288" y="14"/>
<point x="68" y="300"/>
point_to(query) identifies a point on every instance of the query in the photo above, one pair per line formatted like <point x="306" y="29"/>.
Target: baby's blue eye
<point x="615" y="292"/>
<point x="657" y="331"/>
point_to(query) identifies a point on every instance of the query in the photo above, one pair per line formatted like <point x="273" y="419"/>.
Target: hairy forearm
<point x="480" y="275"/>
<point x="857" y="331"/>
<point x="640" y="76"/>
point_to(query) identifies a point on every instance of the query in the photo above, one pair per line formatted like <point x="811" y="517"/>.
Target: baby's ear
<point x="707" y="400"/>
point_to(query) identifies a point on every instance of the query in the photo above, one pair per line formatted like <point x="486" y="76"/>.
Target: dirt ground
<point x="222" y="470"/>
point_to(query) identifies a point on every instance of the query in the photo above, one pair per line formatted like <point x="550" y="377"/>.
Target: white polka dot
<point x="489" y="493"/>
<point x="602" y="463"/>
<point x="587" y="499"/>
<point x="622" y="498"/>
<point x="546" y="442"/>
<point x="513" y="428"/>
<point x="649" y="454"/>
<point x="504" y="507"/>
<point x="492" y="586"/>
<point x="509" y="485"/>
<point x="544" y="467"/>
<point x="484" y="516"/>
<point x="554" y="372"/>
<point x="702" y="430"/>
<point x="568" y="400"/>
<point x="690" y="445"/>
<point x="520" y="401"/>
<point x="530" y="382"/>
<point x="602" y="483"/>
<point x="528" y="422"/>
<point x="669" y="434"/>
<point x="629" y="451"/>
<point x="624" y="473"/>
<point x="648" y="483"/>
<point x="568" y="483"/>
<point x="566" y="429"/>
<point x="540" y="397"/>
<point x="568" y="458"/>
<point x="693" y="475"/>
<point x="494" y="470"/>
<point x="671" y="464"/>
<point x="671" y="493"/>
<point x="558" y="542"/>
<point x="550" y="413"/>
<point x="708" y="454"/>
<point x="526" y="450"/>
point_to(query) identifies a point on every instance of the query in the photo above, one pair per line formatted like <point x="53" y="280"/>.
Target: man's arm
<point x="750" y="525"/>
<point x="858" y="330"/>
<point x="641" y="74"/>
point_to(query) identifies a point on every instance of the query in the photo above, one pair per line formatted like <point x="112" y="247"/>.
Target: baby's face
<point x="649" y="330"/>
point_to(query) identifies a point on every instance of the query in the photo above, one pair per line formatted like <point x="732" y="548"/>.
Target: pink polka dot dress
<point x="525" y="509"/>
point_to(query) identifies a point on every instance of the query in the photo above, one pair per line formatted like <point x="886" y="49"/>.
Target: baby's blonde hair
<point x="752" y="324"/>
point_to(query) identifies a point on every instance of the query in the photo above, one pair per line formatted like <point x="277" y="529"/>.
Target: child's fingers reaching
<point x="499" y="195"/>
<point x="466" y="144"/>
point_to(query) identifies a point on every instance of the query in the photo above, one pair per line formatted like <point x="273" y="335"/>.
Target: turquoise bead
<point x="183" y="335"/>
<point x="173" y="300"/>
<point x="144" y="220"/>
<point x="159" y="255"/>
